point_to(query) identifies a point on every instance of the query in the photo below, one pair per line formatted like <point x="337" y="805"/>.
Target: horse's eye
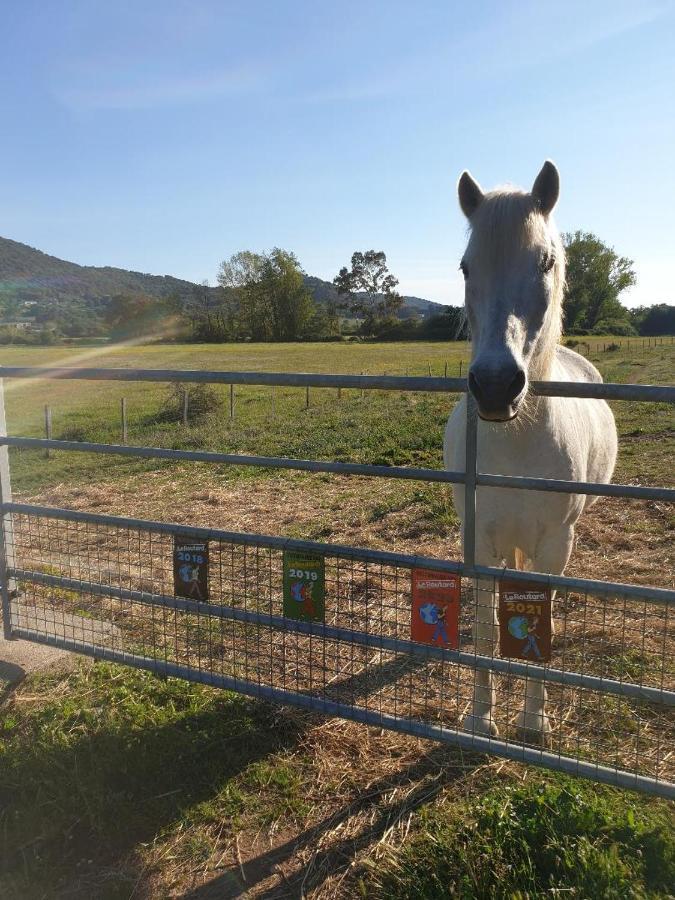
<point x="465" y="270"/>
<point x="547" y="262"/>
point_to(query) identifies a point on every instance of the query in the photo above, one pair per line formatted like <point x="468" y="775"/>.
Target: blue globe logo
<point x="429" y="613"/>
<point x="185" y="573"/>
<point x="518" y="627"/>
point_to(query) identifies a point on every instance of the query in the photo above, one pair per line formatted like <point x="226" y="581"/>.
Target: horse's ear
<point x="546" y="187"/>
<point x="470" y="194"/>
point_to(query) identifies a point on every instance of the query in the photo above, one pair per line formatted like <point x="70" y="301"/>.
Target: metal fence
<point x="104" y="586"/>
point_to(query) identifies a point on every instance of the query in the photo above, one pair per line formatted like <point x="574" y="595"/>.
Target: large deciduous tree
<point x="596" y="277"/>
<point x="268" y="295"/>
<point x="368" y="289"/>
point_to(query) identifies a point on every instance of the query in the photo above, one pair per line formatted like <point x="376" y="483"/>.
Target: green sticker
<point x="304" y="586"/>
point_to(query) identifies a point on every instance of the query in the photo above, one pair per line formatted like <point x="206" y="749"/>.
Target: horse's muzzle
<point x="498" y="394"/>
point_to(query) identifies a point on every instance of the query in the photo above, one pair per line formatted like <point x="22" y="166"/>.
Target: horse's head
<point x="514" y="272"/>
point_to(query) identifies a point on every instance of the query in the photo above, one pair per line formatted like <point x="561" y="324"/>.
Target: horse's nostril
<point x="474" y="385"/>
<point x="517" y="384"/>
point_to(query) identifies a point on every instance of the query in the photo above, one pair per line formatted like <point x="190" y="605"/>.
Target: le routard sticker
<point x="304" y="586"/>
<point x="524" y="621"/>
<point x="190" y="569"/>
<point x="435" y="608"/>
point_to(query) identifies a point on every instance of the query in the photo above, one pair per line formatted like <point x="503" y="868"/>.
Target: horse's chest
<point x="538" y="454"/>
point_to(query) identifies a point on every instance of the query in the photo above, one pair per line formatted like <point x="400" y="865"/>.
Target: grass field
<point x="116" y="784"/>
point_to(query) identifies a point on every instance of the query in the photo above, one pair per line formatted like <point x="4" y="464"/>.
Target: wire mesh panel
<point x="107" y="588"/>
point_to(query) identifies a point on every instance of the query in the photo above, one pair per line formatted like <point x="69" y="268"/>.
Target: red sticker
<point x="524" y="621"/>
<point x="435" y="608"/>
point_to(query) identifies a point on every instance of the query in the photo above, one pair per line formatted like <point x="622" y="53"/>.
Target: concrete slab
<point x="19" y="658"/>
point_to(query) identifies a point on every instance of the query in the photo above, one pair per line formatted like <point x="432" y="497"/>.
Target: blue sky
<point x="165" y="136"/>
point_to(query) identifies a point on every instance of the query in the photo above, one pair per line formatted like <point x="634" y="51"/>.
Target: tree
<point x="268" y="295"/>
<point x="212" y="313"/>
<point x="596" y="276"/>
<point x="368" y="288"/>
<point x="290" y="303"/>
<point x="654" y="320"/>
<point x="240" y="277"/>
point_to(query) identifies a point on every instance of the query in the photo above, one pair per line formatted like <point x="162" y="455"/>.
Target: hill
<point x="29" y="276"/>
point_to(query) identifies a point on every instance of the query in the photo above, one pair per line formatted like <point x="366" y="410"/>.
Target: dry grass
<point x="351" y="794"/>
<point x="360" y="787"/>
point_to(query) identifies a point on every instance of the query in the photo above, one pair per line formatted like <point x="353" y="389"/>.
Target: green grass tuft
<point x="548" y="838"/>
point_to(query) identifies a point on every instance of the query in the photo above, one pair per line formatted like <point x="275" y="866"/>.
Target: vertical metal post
<point x="48" y="427"/>
<point x="7" y="585"/>
<point x="124" y="420"/>
<point x="232" y="401"/>
<point x="307" y="397"/>
<point x="470" y="485"/>
<point x="445" y="369"/>
<point x="429" y="368"/>
<point x="186" y="404"/>
<point x="460" y="368"/>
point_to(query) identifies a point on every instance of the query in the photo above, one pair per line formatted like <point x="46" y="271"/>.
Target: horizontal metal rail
<point x="362" y="638"/>
<point x="266" y="462"/>
<point x="584" y="585"/>
<point x="590" y="390"/>
<point x="475" y="742"/>
<point x="591" y="488"/>
<point x="410" y="473"/>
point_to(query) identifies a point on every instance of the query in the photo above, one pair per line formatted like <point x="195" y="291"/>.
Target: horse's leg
<point x="551" y="555"/>
<point x="480" y="719"/>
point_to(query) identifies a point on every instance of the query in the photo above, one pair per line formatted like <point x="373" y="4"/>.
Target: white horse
<point x="514" y="269"/>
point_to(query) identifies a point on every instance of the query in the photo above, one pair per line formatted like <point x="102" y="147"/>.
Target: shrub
<point x="204" y="400"/>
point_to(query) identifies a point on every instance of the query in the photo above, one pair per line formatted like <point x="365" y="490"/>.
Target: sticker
<point x="190" y="569"/>
<point x="304" y="586"/>
<point x="435" y="608"/>
<point x="524" y="621"/>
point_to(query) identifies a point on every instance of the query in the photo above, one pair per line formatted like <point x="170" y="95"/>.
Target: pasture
<point x="118" y="784"/>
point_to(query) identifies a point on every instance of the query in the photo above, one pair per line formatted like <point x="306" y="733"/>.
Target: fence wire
<point x="64" y="569"/>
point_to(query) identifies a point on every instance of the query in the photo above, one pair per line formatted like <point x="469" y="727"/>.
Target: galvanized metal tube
<point x="266" y="462"/>
<point x="441" y="476"/>
<point x="283" y="379"/>
<point x="362" y="638"/>
<point x="595" y="489"/>
<point x="518" y="752"/>
<point x="598" y="588"/>
<point x="605" y="390"/>
<point x="470" y="466"/>
<point x="594" y="390"/>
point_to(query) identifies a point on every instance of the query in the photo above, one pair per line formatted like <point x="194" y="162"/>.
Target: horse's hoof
<point x="480" y="725"/>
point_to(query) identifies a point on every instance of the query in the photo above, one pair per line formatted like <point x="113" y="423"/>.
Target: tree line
<point x="264" y="297"/>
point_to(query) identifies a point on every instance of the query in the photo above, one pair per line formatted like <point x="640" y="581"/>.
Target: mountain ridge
<point x="29" y="276"/>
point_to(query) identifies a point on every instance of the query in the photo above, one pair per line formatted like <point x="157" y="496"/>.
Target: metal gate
<point x="103" y="586"/>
